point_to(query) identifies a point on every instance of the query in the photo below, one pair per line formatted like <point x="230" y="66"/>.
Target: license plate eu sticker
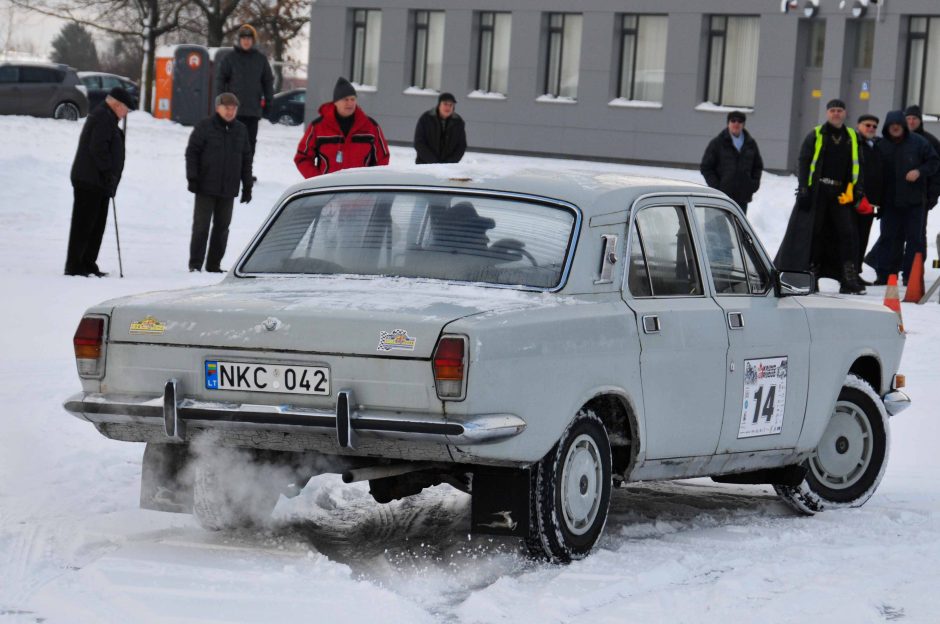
<point x="249" y="377"/>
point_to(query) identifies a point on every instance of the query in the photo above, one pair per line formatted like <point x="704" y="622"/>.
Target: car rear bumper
<point x="346" y="423"/>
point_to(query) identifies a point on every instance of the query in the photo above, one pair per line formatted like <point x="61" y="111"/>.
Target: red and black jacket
<point x="324" y="148"/>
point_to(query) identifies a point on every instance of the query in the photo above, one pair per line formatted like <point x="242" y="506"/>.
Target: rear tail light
<point x="450" y="367"/>
<point x="89" y="347"/>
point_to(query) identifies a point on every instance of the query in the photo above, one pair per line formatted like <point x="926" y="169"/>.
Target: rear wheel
<point x="66" y="110"/>
<point x="850" y="459"/>
<point x="286" y="119"/>
<point x="570" y="493"/>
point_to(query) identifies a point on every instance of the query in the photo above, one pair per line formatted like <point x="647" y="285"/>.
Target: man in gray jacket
<point x="247" y="73"/>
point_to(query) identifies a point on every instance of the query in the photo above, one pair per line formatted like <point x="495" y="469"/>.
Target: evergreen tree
<point x="74" y="46"/>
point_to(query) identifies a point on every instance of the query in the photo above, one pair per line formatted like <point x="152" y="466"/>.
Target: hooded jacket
<point x="248" y="75"/>
<point x="99" y="159"/>
<point x="933" y="185"/>
<point x="911" y="152"/>
<point x="324" y="148"/>
<point x="218" y="157"/>
<point x="737" y="174"/>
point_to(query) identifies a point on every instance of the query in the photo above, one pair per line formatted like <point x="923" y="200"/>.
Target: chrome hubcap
<point x="581" y="484"/>
<point x="845" y="450"/>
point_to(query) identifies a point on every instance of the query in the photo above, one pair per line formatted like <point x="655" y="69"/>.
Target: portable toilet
<point x="163" y="82"/>
<point x="191" y="72"/>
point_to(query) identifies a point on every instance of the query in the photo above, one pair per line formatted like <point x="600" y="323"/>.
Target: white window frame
<point x="562" y="55"/>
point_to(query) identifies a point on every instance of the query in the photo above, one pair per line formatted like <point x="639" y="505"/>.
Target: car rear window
<point x="468" y="238"/>
<point x="41" y="74"/>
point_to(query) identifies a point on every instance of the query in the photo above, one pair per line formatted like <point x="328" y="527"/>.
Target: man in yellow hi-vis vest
<point x="821" y="236"/>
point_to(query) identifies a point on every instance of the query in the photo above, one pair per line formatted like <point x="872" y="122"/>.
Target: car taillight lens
<point x="89" y="346"/>
<point x="450" y="367"/>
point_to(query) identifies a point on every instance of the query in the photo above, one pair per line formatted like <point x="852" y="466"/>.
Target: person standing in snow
<point x="732" y="162"/>
<point x="247" y="73"/>
<point x="96" y="173"/>
<point x="218" y="158"/>
<point x="342" y="137"/>
<point x="872" y="171"/>
<point x="440" y="136"/>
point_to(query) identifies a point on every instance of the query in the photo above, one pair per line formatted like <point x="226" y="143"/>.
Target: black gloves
<point x="246" y="195"/>
<point x="193" y="186"/>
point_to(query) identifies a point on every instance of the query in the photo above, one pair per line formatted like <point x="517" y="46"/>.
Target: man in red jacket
<point x="342" y="137"/>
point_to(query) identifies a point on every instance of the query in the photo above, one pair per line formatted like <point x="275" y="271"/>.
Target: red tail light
<point x="450" y="367"/>
<point x="89" y="346"/>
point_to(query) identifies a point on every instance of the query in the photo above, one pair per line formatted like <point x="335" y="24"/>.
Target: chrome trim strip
<point x="896" y="402"/>
<point x="472" y="429"/>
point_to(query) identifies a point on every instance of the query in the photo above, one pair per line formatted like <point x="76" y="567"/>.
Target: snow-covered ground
<point x="75" y="547"/>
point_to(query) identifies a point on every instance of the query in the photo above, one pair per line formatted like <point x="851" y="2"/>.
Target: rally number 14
<point x="768" y="410"/>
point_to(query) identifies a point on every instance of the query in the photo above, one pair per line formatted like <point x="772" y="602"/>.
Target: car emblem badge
<point x="397" y="339"/>
<point x="271" y="323"/>
<point x="148" y="325"/>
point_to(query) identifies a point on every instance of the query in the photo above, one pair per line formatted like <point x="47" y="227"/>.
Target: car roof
<point x="583" y="188"/>
<point x="83" y="74"/>
<point x="46" y="64"/>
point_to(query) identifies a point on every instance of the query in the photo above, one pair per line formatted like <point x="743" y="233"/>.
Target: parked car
<point x="100" y="83"/>
<point x="287" y="107"/>
<point x="41" y="90"/>
<point x="531" y="338"/>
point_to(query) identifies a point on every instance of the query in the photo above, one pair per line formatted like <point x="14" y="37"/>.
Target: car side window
<point x="40" y="74"/>
<point x="109" y="82"/>
<point x="638" y="278"/>
<point x="92" y="82"/>
<point x="757" y="274"/>
<point x="662" y="233"/>
<point x="723" y="251"/>
<point x="8" y="74"/>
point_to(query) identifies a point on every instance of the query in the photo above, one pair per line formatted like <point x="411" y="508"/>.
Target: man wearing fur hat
<point x="247" y="73"/>
<point x="342" y="137"/>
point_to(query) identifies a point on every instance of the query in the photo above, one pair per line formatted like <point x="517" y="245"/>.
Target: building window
<point x="428" y="49"/>
<point x="923" y="64"/>
<point x="366" y="34"/>
<point x="563" y="55"/>
<point x="865" y="44"/>
<point x="493" y="52"/>
<point x="817" y="43"/>
<point x="642" y="57"/>
<point x="732" y="60"/>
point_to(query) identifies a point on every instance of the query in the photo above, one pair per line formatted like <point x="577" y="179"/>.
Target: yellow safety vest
<point x="819" y="139"/>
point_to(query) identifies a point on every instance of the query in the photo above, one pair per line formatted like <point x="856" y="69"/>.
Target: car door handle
<point x="651" y="324"/>
<point x="735" y="320"/>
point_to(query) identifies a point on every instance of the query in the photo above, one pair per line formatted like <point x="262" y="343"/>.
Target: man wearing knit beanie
<point x="342" y="137"/>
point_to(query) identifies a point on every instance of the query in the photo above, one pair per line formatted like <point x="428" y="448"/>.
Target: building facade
<point x="647" y="81"/>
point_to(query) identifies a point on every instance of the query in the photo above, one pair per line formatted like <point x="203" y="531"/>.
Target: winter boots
<point x="850" y="284"/>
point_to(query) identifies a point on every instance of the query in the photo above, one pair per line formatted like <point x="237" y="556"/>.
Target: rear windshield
<point x="495" y="240"/>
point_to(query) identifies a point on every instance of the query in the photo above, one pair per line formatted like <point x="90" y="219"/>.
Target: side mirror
<point x="790" y="283"/>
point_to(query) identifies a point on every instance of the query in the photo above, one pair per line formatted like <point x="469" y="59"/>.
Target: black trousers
<point x="89" y="217"/>
<point x="834" y="224"/>
<point x="902" y="235"/>
<point x="252" y="123"/>
<point x="218" y="211"/>
<point x="863" y="225"/>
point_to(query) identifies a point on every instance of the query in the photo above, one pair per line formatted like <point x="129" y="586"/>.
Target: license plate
<point x="267" y="377"/>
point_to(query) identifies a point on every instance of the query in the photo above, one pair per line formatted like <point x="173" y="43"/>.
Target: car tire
<point x="850" y="461"/>
<point x="569" y="493"/>
<point x="66" y="110"/>
<point x="286" y="119"/>
<point x="231" y="499"/>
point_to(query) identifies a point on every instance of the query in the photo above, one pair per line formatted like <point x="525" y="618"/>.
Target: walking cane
<point x="117" y="237"/>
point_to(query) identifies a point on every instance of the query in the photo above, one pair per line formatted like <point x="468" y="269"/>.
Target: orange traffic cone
<point x="891" y="297"/>
<point x="915" y="281"/>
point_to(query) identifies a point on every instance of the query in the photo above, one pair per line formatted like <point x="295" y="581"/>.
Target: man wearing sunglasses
<point x="732" y="162"/>
<point x="873" y="174"/>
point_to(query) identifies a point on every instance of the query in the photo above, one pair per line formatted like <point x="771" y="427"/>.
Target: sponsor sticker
<point x="765" y="396"/>
<point x="396" y="340"/>
<point x="148" y="325"/>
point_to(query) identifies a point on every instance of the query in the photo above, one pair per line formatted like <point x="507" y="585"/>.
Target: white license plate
<point x="267" y="378"/>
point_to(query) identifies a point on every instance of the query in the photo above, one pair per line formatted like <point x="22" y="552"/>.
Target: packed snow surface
<point x="75" y="547"/>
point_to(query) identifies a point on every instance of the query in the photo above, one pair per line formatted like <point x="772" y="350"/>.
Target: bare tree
<point x="217" y="19"/>
<point x="278" y="22"/>
<point x="146" y="20"/>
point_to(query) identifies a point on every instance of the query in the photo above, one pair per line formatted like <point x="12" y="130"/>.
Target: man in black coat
<point x="821" y="235"/>
<point x="909" y="162"/>
<point x="247" y="73"/>
<point x="872" y="171"/>
<point x="915" y="123"/>
<point x="732" y="162"/>
<point x="96" y="173"/>
<point x="218" y="158"/>
<point x="440" y="136"/>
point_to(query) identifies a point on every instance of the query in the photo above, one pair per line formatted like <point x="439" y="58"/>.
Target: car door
<point x="38" y="87"/>
<point x="683" y="340"/>
<point x="9" y="90"/>
<point x="768" y="352"/>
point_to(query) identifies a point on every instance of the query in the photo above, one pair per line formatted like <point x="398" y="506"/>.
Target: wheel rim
<point x="285" y="120"/>
<point x="845" y="450"/>
<point x="581" y="484"/>
<point x="66" y="110"/>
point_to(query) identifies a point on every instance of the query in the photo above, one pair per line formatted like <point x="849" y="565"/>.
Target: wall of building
<point x="676" y="133"/>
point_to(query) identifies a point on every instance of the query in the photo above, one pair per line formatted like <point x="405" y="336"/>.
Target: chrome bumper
<point x="347" y="421"/>
<point x="896" y="402"/>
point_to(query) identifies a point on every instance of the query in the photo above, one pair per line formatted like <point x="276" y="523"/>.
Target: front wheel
<point x="66" y="110"/>
<point x="570" y="493"/>
<point x="850" y="459"/>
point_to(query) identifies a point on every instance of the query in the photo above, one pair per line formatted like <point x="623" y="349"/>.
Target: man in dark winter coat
<point x="218" y="158"/>
<point x="872" y="171"/>
<point x="342" y="137"/>
<point x="96" y="173"/>
<point x="732" y="162"/>
<point x="440" y="136"/>
<point x="909" y="162"/>
<point x="821" y="236"/>
<point x="247" y="73"/>
<point x="915" y="123"/>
